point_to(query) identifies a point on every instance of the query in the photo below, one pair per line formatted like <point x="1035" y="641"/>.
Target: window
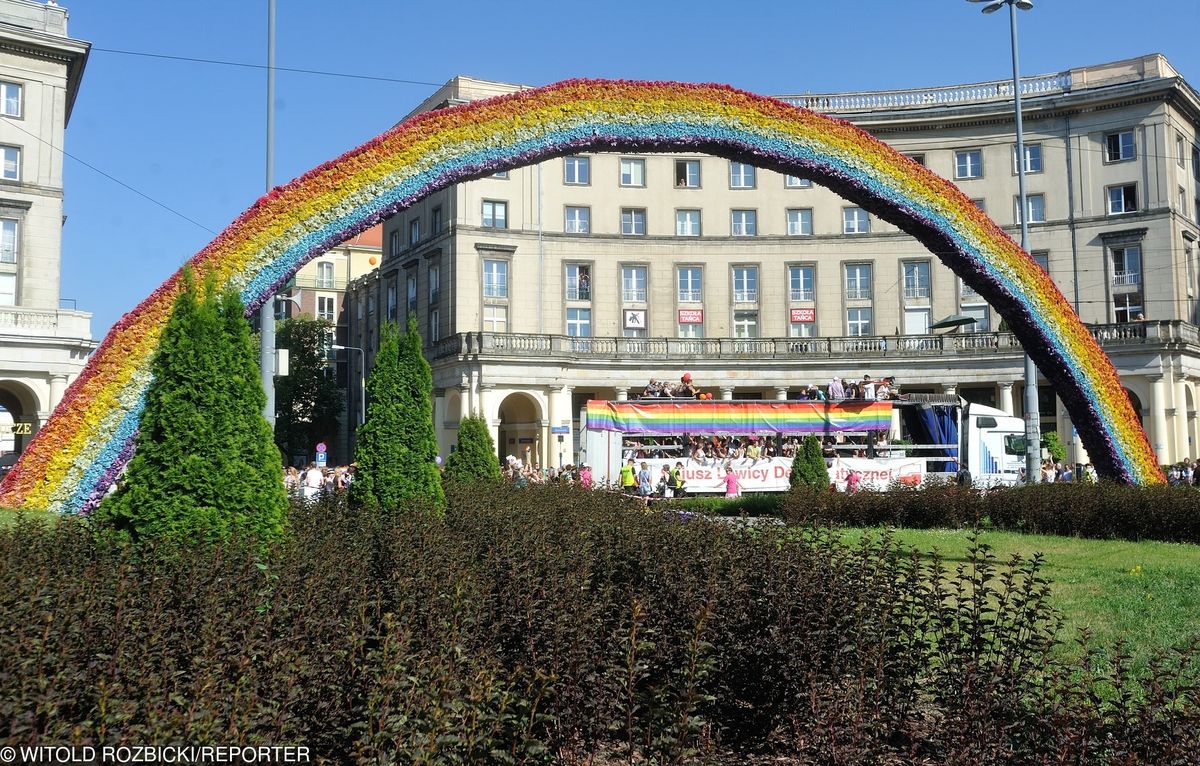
<point x="10" y="169"/>
<point x="371" y="303"/>
<point x="435" y="284"/>
<point x="8" y="240"/>
<point x="1127" y="307"/>
<point x="495" y="279"/>
<point x="411" y="293"/>
<point x="796" y="182"/>
<point x="981" y="316"/>
<point x="917" y="158"/>
<point x="916" y="280"/>
<point x="687" y="174"/>
<point x="691" y="330"/>
<point x="1119" y="146"/>
<point x="1182" y="199"/>
<point x="858" y="321"/>
<point x="1127" y="265"/>
<point x="495" y="318"/>
<point x="916" y="321"/>
<point x="741" y="175"/>
<point x="577" y="171"/>
<point x="1043" y="259"/>
<point x="687" y="223"/>
<point x="325" y="275"/>
<point x="800" y="283"/>
<point x="743" y="223"/>
<point x="326" y="307"/>
<point x="1037" y="208"/>
<point x="745" y="324"/>
<point x="8" y="289"/>
<point x="393" y="302"/>
<point x="578" y="221"/>
<point x="799" y="221"/>
<point x="579" y="282"/>
<point x="1180" y="158"/>
<point x="395" y="241"/>
<point x="967" y="292"/>
<point x="579" y="323"/>
<point x="1122" y="199"/>
<point x="10" y="97"/>
<point x="968" y="164"/>
<point x="745" y="284"/>
<point x="435" y="222"/>
<point x="435" y="325"/>
<point x="633" y="221"/>
<point x="802" y="329"/>
<point x="633" y="284"/>
<point x="855" y="221"/>
<point x="858" y="281"/>
<point x="691" y="286"/>
<point x="495" y="214"/>
<point x="981" y="203"/>
<point x="500" y="174"/>
<point x="1033" y="158"/>
<point x="414" y="231"/>
<point x="633" y="172"/>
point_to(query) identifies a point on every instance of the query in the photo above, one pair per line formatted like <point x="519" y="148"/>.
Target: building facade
<point x="43" y="346"/>
<point x="586" y="276"/>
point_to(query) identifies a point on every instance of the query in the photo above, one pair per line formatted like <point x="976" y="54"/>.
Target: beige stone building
<point x="43" y="346"/>
<point x="583" y="277"/>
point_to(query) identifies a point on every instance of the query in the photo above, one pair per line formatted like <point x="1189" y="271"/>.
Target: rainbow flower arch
<point x="82" y="448"/>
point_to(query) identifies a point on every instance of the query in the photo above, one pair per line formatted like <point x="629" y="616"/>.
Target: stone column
<point x="622" y="395"/>
<point x="561" y="415"/>
<point x="781" y="393"/>
<point x="547" y="448"/>
<point x="1180" y="430"/>
<point x="58" y="386"/>
<point x="464" y="401"/>
<point x="949" y="389"/>
<point x="483" y="406"/>
<point x="726" y="395"/>
<point x="1006" y="398"/>
<point x="894" y="433"/>
<point x="439" y="422"/>
<point x="1158" y="418"/>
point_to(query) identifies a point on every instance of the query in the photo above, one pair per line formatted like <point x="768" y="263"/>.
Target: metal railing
<point x="691" y="296"/>
<point x="858" y="293"/>
<point x="1127" y="278"/>
<point x="633" y="295"/>
<point x="942" y="345"/>
<point x="916" y="98"/>
<point x="916" y="291"/>
<point x="745" y="296"/>
<point x="800" y="294"/>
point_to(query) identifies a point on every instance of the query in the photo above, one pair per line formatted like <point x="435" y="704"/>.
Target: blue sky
<point x="191" y="135"/>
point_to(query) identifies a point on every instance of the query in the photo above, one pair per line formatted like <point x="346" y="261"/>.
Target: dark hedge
<point x="557" y="625"/>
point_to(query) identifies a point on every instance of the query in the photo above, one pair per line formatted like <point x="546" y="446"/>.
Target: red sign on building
<point x="691" y="316"/>
<point x="804" y="315"/>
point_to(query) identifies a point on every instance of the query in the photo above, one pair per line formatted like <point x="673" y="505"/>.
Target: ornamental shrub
<point x="808" y="466"/>
<point x="1054" y="446"/>
<point x="206" y="465"/>
<point x="397" y="445"/>
<point x="475" y="458"/>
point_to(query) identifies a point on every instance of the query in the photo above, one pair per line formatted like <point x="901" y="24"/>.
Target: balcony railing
<point x="633" y="295"/>
<point x="916" y="291"/>
<point x="494" y="290"/>
<point x="800" y="294"/>
<point x="1110" y="336"/>
<point x="579" y="293"/>
<point x="15" y="320"/>
<point x="745" y="296"/>
<point x="691" y="296"/>
<point x="858" y="293"/>
<point x="321" y="283"/>
<point x="1127" y="278"/>
<point x="974" y="93"/>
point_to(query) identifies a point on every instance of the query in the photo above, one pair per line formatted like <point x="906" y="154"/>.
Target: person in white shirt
<point x="868" y="388"/>
<point x="314" y="480"/>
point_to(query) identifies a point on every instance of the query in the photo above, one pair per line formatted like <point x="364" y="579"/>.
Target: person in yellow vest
<point x="628" y="476"/>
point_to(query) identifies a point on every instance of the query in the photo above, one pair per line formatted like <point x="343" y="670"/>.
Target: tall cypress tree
<point x="475" y="457"/>
<point x="206" y="465"/>
<point x="808" y="465"/>
<point x="397" y="445"/>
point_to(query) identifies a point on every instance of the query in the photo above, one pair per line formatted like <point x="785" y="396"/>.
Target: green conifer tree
<point x="397" y="445"/>
<point x="206" y="465"/>
<point x="808" y="465"/>
<point x="475" y="457"/>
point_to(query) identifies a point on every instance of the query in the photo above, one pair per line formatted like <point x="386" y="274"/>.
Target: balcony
<point x="633" y="295"/>
<point x="318" y="283"/>
<point x="495" y="290"/>
<point x="745" y="296"/>
<point x="800" y="294"/>
<point x="858" y="293"/>
<point x="1122" y="278"/>
<point x="1112" y="337"/>
<point x="579" y="293"/>
<point x="15" y="320"/>
<point x="691" y="296"/>
<point x="912" y="292"/>
<point x="919" y="98"/>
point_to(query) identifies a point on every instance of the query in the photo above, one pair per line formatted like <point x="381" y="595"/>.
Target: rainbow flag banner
<point x="673" y="416"/>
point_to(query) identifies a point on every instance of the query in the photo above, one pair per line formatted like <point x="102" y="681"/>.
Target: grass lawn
<point x="1147" y="593"/>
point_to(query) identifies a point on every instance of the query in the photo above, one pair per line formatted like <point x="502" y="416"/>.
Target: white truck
<point x="941" y="435"/>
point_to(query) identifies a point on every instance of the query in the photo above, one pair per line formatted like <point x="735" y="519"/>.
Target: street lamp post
<point x="1033" y="437"/>
<point x="362" y="380"/>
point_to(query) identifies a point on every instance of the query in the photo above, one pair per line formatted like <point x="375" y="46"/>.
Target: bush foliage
<point x="1078" y="509"/>
<point x="308" y="401"/>
<point x="206" y="465"/>
<point x="557" y="625"/>
<point x="808" y="467"/>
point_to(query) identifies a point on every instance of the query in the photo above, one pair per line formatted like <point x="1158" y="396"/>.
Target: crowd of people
<point x="522" y="474"/>
<point x="838" y="389"/>
<point x="684" y="389"/>
<point x="315" y="480"/>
